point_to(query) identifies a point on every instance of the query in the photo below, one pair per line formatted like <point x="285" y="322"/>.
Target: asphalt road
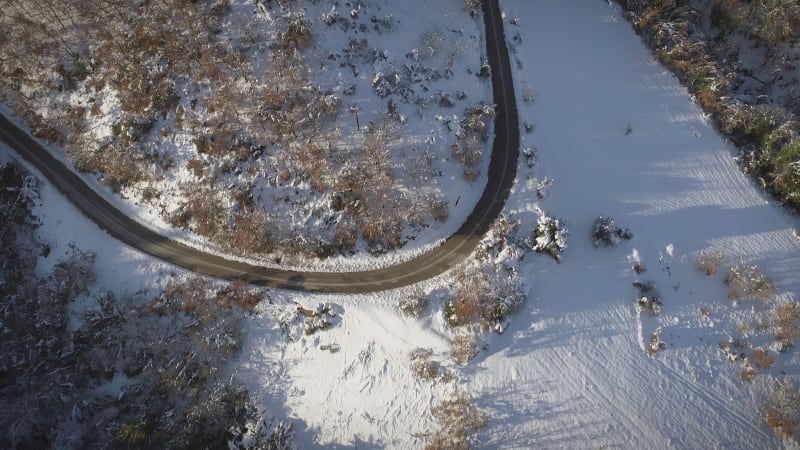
<point x="502" y="171"/>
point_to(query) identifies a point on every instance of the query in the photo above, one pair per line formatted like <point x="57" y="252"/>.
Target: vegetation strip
<point x="502" y="171"/>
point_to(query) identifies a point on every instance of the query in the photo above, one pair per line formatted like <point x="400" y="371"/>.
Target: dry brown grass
<point x="239" y="293"/>
<point x="709" y="261"/>
<point x="250" y="233"/>
<point x="748" y="374"/>
<point x="763" y="358"/>
<point x="463" y="348"/>
<point x="471" y="289"/>
<point x="459" y="420"/>
<point x="345" y="236"/>
<point x="782" y="410"/>
<point x="414" y="302"/>
<point x="195" y="166"/>
<point x="422" y="365"/>
<point x="787" y="323"/>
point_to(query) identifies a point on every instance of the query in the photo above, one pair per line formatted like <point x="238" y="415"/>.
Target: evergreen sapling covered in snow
<point x="550" y="236"/>
<point x="606" y="233"/>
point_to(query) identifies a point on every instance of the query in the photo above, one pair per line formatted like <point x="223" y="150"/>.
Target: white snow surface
<point x="571" y="370"/>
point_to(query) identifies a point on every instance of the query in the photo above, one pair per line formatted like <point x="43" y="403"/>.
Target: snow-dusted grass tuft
<point x="709" y="261"/>
<point x="787" y="324"/>
<point x="749" y="282"/>
<point x="782" y="410"/>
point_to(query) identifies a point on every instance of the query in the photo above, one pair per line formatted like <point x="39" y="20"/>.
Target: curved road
<point x="502" y="171"/>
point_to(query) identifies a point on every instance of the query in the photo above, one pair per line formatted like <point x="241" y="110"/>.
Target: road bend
<point x="501" y="174"/>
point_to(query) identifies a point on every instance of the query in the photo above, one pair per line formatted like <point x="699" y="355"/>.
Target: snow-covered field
<point x="573" y="369"/>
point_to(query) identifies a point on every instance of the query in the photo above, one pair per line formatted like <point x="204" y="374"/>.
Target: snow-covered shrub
<point x="118" y="164"/>
<point x="464" y="307"/>
<point x="732" y="349"/>
<point x="422" y="366"/>
<point x="471" y="290"/>
<point x="414" y="303"/>
<point x="709" y="261"/>
<point x="167" y="355"/>
<point x="431" y="42"/>
<point x="471" y="138"/>
<point x="507" y="297"/>
<point x="771" y="21"/>
<point x="463" y="348"/>
<point x="550" y="236"/>
<point x="605" y="233"/>
<point x="261" y="434"/>
<point x="483" y="294"/>
<point x="472" y="6"/>
<point x="239" y="293"/>
<point x="747" y="123"/>
<point x="648" y="299"/>
<point x="530" y="155"/>
<point x="782" y="410"/>
<point x="281" y="437"/>
<point x="459" y="422"/>
<point x="528" y="126"/>
<point x="748" y="372"/>
<point x="249" y="233"/>
<point x="345" y="236"/>
<point x="749" y="281"/>
<point x="655" y="344"/>
<point x="528" y="93"/>
<point x="387" y="83"/>
<point x="297" y="35"/>
<point x="316" y="323"/>
<point x="485" y="70"/>
<point x="72" y="275"/>
<point x="317" y="319"/>
<point x="201" y="211"/>
<point x="439" y="209"/>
